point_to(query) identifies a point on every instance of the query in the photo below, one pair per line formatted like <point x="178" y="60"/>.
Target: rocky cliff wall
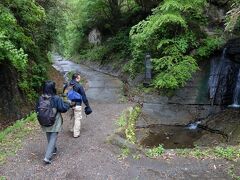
<point x="13" y="104"/>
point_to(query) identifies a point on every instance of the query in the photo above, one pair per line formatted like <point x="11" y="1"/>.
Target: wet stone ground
<point x="90" y="157"/>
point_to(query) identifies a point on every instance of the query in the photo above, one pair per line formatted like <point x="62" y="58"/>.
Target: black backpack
<point x="46" y="114"/>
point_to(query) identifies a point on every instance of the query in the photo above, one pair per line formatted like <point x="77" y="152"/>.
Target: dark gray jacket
<point x="61" y="107"/>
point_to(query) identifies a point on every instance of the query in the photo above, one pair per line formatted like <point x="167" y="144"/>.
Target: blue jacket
<point x="57" y="103"/>
<point x="78" y="88"/>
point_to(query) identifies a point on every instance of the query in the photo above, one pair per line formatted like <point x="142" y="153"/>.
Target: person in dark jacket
<point x="60" y="106"/>
<point x="77" y="109"/>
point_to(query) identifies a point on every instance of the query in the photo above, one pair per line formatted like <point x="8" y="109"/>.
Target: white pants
<point x="76" y="120"/>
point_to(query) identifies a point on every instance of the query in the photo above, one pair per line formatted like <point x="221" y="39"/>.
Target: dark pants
<point x="51" y="147"/>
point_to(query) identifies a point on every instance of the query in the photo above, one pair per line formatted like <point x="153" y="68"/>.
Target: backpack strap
<point x="51" y="99"/>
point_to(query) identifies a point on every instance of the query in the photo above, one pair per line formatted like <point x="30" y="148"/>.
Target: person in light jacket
<point x="52" y="131"/>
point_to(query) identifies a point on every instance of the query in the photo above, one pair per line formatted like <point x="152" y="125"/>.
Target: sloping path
<point x="89" y="156"/>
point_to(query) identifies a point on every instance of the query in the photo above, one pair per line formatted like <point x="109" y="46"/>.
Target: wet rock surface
<point x="233" y="49"/>
<point x="188" y="104"/>
<point x="226" y="122"/>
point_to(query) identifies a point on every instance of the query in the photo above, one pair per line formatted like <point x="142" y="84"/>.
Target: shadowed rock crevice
<point x="224" y="76"/>
<point x="13" y="105"/>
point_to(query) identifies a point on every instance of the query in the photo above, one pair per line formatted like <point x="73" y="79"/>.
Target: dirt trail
<point x="90" y="157"/>
<point x="86" y="157"/>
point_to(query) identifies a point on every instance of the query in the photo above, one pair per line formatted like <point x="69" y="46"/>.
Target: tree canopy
<point x="172" y="31"/>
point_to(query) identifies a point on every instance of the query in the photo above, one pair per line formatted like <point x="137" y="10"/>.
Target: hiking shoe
<point x="55" y="151"/>
<point x="76" y="136"/>
<point x="46" y="161"/>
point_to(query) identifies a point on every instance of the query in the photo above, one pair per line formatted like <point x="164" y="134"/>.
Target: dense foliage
<point x="24" y="41"/>
<point x="173" y="35"/>
<point x="112" y="17"/>
<point x="173" y="32"/>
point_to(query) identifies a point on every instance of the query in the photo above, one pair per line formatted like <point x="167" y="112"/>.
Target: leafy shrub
<point x="8" y="49"/>
<point x="112" y="18"/>
<point x="208" y="45"/>
<point x="171" y="34"/>
<point x="96" y="53"/>
<point x="113" y="48"/>
<point x="25" y="40"/>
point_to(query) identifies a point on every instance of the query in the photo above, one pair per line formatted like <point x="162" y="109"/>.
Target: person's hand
<point x="72" y="104"/>
<point x="67" y="101"/>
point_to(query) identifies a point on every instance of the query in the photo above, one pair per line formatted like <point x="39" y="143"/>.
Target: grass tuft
<point x="231" y="153"/>
<point x="155" y="152"/>
<point x="11" y="137"/>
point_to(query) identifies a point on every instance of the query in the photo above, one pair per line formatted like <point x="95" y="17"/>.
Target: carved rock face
<point x="95" y="37"/>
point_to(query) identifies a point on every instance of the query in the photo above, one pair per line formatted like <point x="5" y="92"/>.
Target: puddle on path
<point x="171" y="137"/>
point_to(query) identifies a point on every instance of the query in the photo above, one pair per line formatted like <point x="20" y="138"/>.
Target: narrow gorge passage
<point x="89" y="156"/>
